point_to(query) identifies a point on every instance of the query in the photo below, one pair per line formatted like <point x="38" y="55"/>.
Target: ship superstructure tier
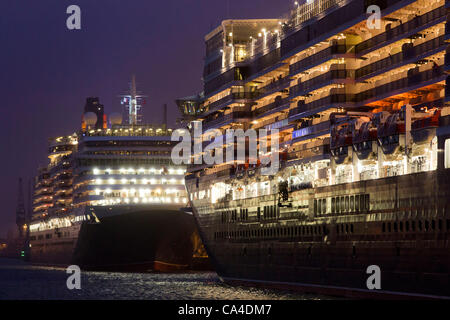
<point x="127" y="165"/>
<point x="357" y="104"/>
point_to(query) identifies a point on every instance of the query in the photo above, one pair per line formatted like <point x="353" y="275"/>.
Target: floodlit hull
<point x="134" y="239"/>
<point x="402" y="225"/>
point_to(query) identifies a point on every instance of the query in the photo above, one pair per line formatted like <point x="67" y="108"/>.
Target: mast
<point x="133" y="103"/>
<point x="165" y="116"/>
<point x="20" y="210"/>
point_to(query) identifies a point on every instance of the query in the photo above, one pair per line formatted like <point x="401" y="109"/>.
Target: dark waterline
<point x="19" y="280"/>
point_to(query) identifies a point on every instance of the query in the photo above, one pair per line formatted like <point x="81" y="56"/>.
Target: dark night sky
<point x="47" y="71"/>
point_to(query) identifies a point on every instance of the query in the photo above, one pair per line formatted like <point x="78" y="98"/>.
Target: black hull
<point x="139" y="240"/>
<point x="330" y="253"/>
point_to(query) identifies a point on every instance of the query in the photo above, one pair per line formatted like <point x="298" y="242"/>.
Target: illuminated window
<point x="447" y="154"/>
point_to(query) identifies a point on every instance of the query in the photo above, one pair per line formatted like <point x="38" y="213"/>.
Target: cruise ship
<point x="354" y="94"/>
<point x="112" y="199"/>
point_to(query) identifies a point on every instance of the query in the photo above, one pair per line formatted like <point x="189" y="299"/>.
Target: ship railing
<point x="336" y="98"/>
<point x="222" y="120"/>
<point x="261" y="46"/>
<point x="411" y="80"/>
<point x="307" y="11"/>
<point x="303" y="88"/>
<point x="399" y="31"/>
<point x="271" y="106"/>
<point x="408" y="53"/>
<point x="317" y="58"/>
<point x="244" y="95"/>
<point x="274" y="86"/>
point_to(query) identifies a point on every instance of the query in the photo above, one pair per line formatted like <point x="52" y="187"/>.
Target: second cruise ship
<point x="111" y="199"/>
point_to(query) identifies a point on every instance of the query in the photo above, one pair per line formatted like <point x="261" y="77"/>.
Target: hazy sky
<point x="47" y="71"/>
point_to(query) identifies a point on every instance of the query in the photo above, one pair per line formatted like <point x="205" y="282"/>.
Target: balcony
<point x="411" y="27"/>
<point x="334" y="51"/>
<point x="407" y="54"/>
<point x="233" y="97"/>
<point x="327" y="102"/>
<point x="273" y="107"/>
<point x="218" y="82"/>
<point x="274" y="87"/>
<point x="226" y="119"/>
<point x="413" y="79"/>
<point x="325" y="79"/>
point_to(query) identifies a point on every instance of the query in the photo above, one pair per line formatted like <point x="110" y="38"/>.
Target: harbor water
<point x="19" y="280"/>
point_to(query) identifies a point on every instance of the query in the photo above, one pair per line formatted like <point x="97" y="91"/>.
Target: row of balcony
<point x="330" y="77"/>
<point x="413" y="79"/>
<point x="332" y="99"/>
<point x="224" y="119"/>
<point x="232" y="97"/>
<point x="273" y="87"/>
<point x="304" y="88"/>
<point x="334" y="51"/>
<point x="272" y="107"/>
<point x="302" y="36"/>
<point x="408" y="52"/>
<point x="337" y="51"/>
<point x="391" y="35"/>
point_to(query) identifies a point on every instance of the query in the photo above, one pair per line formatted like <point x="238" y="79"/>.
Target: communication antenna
<point x="133" y="103"/>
